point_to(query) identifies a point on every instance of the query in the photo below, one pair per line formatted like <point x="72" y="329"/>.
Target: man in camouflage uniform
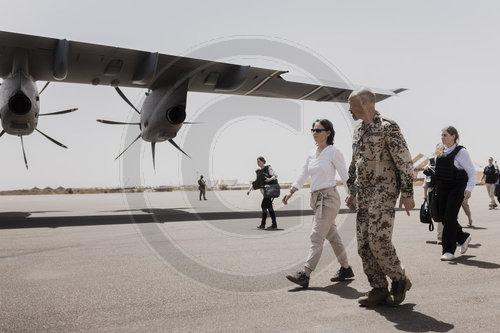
<point x="381" y="167"/>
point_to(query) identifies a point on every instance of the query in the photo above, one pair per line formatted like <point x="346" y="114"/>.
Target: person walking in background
<point x="491" y="174"/>
<point x="265" y="175"/>
<point x="380" y="169"/>
<point x="497" y="187"/>
<point x="322" y="164"/>
<point x="468" y="213"/>
<point x="202" y="186"/>
<point x="455" y="179"/>
<point x="431" y="198"/>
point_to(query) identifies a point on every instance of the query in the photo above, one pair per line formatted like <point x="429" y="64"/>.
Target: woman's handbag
<point x="425" y="215"/>
<point x="271" y="190"/>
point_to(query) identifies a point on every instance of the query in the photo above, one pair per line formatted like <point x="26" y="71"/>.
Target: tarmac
<point x="169" y="262"/>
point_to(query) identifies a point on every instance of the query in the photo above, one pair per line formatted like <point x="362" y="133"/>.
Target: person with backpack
<point x="265" y="175"/>
<point x="491" y="174"/>
<point x="322" y="164"/>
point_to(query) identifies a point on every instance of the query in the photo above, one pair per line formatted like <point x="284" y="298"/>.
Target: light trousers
<point x="490" y="188"/>
<point x="325" y="204"/>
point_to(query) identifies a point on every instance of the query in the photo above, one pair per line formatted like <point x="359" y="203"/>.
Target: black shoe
<point x="343" y="274"/>
<point x="299" y="278"/>
<point x="262" y="226"/>
<point x="272" y="226"/>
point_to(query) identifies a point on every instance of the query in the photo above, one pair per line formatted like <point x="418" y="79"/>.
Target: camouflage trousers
<point x="375" y="221"/>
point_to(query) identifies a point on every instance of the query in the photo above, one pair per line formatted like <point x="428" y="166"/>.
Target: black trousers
<point x="450" y="198"/>
<point x="267" y="205"/>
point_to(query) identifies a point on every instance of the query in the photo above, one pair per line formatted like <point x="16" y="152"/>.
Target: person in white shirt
<point x="322" y="164"/>
<point x="455" y="179"/>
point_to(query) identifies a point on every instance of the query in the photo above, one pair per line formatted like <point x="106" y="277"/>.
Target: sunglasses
<point x="318" y="130"/>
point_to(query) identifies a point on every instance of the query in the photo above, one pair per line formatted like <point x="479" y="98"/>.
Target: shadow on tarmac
<point x="473" y="227"/>
<point x="341" y="289"/>
<point x="466" y="260"/>
<point x="472" y="246"/>
<point x="13" y="220"/>
<point x="405" y="318"/>
<point x="409" y="320"/>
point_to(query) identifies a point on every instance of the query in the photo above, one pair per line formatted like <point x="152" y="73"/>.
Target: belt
<point x="320" y="195"/>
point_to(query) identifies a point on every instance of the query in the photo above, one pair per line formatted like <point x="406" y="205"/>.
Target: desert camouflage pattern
<point x="374" y="224"/>
<point x="380" y="155"/>
<point x="380" y="169"/>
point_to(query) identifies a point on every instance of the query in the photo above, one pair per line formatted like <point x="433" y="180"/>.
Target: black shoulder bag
<point x="425" y="215"/>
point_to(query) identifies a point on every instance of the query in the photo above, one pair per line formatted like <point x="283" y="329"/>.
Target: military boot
<point x="376" y="296"/>
<point x="398" y="291"/>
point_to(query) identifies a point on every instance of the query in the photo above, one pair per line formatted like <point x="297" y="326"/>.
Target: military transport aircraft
<point x="25" y="59"/>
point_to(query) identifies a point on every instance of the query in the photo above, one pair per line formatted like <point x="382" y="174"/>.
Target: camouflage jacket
<point x="380" y="155"/>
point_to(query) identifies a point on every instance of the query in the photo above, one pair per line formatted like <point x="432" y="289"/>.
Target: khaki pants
<point x="325" y="204"/>
<point x="490" y="188"/>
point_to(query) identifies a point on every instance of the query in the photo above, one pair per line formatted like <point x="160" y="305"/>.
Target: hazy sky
<point x="445" y="52"/>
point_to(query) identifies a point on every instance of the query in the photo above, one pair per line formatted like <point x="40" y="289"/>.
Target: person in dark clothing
<point x="265" y="175"/>
<point x="455" y="179"/>
<point x="497" y="186"/>
<point x="202" y="186"/>
<point x="491" y="174"/>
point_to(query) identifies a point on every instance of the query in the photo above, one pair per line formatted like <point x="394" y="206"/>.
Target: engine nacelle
<point x="19" y="104"/>
<point x="163" y="113"/>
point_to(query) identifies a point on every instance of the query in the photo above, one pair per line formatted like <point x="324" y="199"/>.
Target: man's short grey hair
<point x="364" y="93"/>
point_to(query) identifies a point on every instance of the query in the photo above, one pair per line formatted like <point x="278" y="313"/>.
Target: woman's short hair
<point x="452" y="131"/>
<point x="327" y="124"/>
<point x="262" y="159"/>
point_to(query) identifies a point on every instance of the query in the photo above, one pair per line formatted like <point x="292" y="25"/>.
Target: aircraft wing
<point x="52" y="59"/>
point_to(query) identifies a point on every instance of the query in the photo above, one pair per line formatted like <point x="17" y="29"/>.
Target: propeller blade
<point x="58" y="112"/>
<point x="111" y="122"/>
<point x="48" y="137"/>
<point x="2" y="133"/>
<point x="153" y="152"/>
<point x="45" y="86"/>
<point x="138" y="137"/>
<point x="122" y="95"/>
<point x="24" y="154"/>
<point x="176" y="146"/>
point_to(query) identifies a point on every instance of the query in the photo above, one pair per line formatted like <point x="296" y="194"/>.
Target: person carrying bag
<point x="267" y="181"/>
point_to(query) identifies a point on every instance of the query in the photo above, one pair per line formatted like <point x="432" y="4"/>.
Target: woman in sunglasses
<point x="322" y="164"/>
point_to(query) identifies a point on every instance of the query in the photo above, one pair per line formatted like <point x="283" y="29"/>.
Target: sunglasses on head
<point x="318" y="130"/>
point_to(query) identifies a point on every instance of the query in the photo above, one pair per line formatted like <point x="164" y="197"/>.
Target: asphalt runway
<point x="169" y="262"/>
